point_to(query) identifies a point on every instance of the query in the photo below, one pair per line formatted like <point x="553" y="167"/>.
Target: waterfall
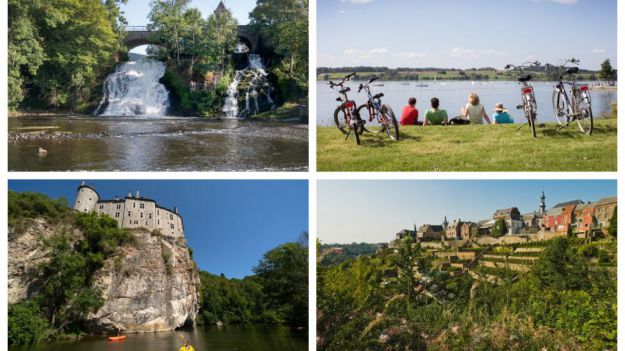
<point x="134" y="90"/>
<point x="258" y="84"/>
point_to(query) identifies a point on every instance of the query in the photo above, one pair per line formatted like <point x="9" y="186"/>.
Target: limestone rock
<point x="152" y="285"/>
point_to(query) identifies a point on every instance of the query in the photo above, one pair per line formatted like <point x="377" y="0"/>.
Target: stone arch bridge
<point x="140" y="35"/>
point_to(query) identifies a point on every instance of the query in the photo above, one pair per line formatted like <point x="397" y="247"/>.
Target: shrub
<point x="26" y="323"/>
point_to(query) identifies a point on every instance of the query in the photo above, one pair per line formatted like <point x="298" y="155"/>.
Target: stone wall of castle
<point x="131" y="212"/>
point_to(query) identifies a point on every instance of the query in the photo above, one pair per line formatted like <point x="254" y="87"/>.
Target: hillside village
<point x="508" y="239"/>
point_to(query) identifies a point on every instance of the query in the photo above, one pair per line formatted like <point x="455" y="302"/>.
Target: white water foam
<point x="134" y="90"/>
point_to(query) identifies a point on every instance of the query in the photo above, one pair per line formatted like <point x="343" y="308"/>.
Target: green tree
<point x="283" y="273"/>
<point x="285" y="24"/>
<point x="606" y="72"/>
<point x="613" y="227"/>
<point x="167" y="19"/>
<point x="500" y="228"/>
<point x="221" y="39"/>
<point x="406" y="260"/>
<point x="26" y="323"/>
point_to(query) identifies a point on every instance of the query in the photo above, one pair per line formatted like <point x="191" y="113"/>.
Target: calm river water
<point x="155" y="144"/>
<point x="453" y="95"/>
<point x="226" y="338"/>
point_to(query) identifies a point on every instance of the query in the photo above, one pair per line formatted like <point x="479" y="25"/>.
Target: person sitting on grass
<point x="435" y="116"/>
<point x="473" y="111"/>
<point x="501" y="115"/>
<point x="410" y="115"/>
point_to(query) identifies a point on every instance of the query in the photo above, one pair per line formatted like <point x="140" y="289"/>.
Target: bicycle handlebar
<point x="340" y="84"/>
<point x="524" y="65"/>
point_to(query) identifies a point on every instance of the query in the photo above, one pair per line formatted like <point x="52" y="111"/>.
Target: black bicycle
<point x="576" y="105"/>
<point x="376" y="111"/>
<point x="528" y="104"/>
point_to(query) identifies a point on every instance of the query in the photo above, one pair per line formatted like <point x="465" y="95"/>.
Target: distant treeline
<point x="337" y="253"/>
<point x="430" y="73"/>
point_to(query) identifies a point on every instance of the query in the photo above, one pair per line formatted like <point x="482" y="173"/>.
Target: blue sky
<point x="373" y="211"/>
<point x="136" y="11"/>
<point x="464" y="34"/>
<point x="229" y="224"/>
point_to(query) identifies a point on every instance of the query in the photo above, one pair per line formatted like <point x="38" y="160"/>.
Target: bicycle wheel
<point x="560" y="109"/>
<point x="340" y="119"/>
<point x="584" y="114"/>
<point x="529" y="107"/>
<point x="392" y="129"/>
<point x="363" y="110"/>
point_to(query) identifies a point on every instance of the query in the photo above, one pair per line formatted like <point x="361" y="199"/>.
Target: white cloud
<point x="598" y="51"/>
<point x="376" y="51"/>
<point x="411" y="55"/>
<point x="352" y="52"/>
<point x="358" y="1"/>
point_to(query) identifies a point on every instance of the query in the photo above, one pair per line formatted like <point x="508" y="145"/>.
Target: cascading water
<point x="134" y="90"/>
<point x="258" y="85"/>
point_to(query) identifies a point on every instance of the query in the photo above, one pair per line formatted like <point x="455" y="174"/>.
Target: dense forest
<point x="397" y="299"/>
<point x="276" y="294"/>
<point x="543" y="72"/>
<point x="331" y="254"/>
<point x="61" y="51"/>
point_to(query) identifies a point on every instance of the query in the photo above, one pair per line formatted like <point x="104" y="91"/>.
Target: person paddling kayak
<point x="186" y="347"/>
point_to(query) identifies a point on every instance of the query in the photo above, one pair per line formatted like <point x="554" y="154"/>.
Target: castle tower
<point x="542" y="203"/>
<point x="86" y="198"/>
<point x="445" y="224"/>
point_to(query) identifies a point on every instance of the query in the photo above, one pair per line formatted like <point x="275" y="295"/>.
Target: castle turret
<point x="221" y="8"/>
<point x="542" y="203"/>
<point x="86" y="198"/>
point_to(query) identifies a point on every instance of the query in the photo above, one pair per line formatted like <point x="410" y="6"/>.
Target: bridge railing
<point x="135" y="28"/>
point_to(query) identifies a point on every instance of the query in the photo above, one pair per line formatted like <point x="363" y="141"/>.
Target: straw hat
<point x="499" y="107"/>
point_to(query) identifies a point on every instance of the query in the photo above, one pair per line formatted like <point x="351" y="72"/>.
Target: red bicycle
<point x="346" y="116"/>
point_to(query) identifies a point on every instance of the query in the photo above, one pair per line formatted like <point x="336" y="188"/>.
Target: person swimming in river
<point x="186" y="347"/>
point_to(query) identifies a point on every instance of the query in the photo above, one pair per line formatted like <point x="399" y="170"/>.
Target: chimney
<point x="116" y="198"/>
<point x="138" y="194"/>
<point x="82" y="182"/>
<point x="129" y="194"/>
<point x="176" y="210"/>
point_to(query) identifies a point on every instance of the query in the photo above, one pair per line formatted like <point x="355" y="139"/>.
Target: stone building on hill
<point x="131" y="211"/>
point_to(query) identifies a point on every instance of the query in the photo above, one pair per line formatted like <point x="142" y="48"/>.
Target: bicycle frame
<point x="374" y="105"/>
<point x="578" y="92"/>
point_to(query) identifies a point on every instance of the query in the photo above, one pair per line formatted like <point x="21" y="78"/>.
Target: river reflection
<point x="162" y="144"/>
<point x="230" y="338"/>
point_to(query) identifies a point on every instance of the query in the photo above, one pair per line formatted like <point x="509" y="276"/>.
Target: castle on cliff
<point x="131" y="211"/>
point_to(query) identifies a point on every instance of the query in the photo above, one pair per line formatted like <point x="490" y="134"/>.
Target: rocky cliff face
<point x="152" y="285"/>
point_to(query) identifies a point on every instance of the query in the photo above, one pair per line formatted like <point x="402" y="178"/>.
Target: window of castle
<point x="141" y="214"/>
<point x="149" y="215"/>
<point x="171" y="216"/>
<point x="134" y="204"/>
<point x="128" y="213"/>
<point x="119" y="206"/>
<point x="141" y="205"/>
<point x="101" y="207"/>
<point x="116" y="214"/>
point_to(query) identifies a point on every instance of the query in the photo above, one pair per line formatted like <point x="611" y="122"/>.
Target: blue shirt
<point x="502" y="117"/>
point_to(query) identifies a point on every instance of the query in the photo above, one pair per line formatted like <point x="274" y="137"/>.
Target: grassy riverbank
<point x="472" y="148"/>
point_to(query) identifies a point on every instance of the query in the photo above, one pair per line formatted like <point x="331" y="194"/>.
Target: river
<point x="453" y="95"/>
<point x="213" y="338"/>
<point x="74" y="143"/>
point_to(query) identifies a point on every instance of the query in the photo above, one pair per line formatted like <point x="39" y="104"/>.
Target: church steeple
<point x="221" y="8"/>
<point x="542" y="203"/>
<point x="445" y="223"/>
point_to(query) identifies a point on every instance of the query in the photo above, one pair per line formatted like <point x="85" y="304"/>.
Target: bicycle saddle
<point x="572" y="70"/>
<point x="525" y="78"/>
<point x="343" y="91"/>
<point x="377" y="96"/>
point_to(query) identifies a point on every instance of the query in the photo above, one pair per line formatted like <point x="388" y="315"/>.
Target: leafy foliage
<point x="499" y="229"/>
<point x="59" y="50"/>
<point x="65" y="296"/>
<point x="567" y="301"/>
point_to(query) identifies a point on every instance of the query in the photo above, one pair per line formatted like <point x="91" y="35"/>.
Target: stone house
<point x="453" y="230"/>
<point x="512" y="217"/>
<point x="429" y="232"/>
<point x="467" y="229"/>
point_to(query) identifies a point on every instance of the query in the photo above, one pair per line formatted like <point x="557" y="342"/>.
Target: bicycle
<point x="381" y="113"/>
<point x="528" y="104"/>
<point x="346" y="116"/>
<point x="578" y="106"/>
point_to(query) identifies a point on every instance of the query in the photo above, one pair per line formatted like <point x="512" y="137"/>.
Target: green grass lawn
<point x="472" y="148"/>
